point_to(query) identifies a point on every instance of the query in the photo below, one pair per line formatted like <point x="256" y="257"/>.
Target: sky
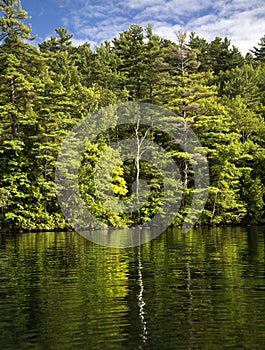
<point x="94" y="21"/>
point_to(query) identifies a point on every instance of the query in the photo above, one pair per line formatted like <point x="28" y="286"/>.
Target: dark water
<point x="201" y="290"/>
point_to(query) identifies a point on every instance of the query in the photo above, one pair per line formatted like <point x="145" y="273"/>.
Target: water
<point x="200" y="290"/>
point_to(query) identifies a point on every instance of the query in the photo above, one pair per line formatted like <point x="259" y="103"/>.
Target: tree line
<point x="46" y="90"/>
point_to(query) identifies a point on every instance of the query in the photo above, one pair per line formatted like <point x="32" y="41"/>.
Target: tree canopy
<point x="45" y="91"/>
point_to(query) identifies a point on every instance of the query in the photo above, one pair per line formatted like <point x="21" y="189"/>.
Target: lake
<point x="201" y="290"/>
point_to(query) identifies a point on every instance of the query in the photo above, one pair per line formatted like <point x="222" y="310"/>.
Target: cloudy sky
<point x="243" y="21"/>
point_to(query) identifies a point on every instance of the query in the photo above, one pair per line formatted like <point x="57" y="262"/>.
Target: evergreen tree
<point x="12" y="27"/>
<point x="244" y="82"/>
<point x="232" y="135"/>
<point x="105" y="70"/>
<point x="259" y="52"/>
<point x="130" y="48"/>
<point x="57" y="44"/>
<point x="83" y="58"/>
<point x="222" y="57"/>
<point x="201" y="46"/>
<point x="153" y="62"/>
<point x="183" y="91"/>
<point x="20" y="82"/>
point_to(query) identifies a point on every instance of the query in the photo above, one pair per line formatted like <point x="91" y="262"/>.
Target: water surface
<point x="201" y="290"/>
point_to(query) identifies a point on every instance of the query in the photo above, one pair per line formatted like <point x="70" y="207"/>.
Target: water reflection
<point x="200" y="290"/>
<point x="141" y="301"/>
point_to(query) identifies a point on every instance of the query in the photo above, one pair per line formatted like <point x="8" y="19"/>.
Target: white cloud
<point x="241" y="20"/>
<point x="244" y="28"/>
<point x="79" y="42"/>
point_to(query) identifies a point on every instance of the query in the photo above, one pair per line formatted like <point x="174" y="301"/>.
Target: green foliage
<point x="252" y="193"/>
<point x="62" y="43"/>
<point x="217" y="55"/>
<point x="44" y="92"/>
<point x="12" y="27"/>
<point x="259" y="52"/>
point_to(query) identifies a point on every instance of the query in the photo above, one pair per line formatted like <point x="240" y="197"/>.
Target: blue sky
<point x="95" y="21"/>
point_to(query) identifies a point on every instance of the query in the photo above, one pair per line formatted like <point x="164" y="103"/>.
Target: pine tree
<point x="105" y="70"/>
<point x="259" y="52"/>
<point x="83" y="58"/>
<point x="12" y="27"/>
<point x="222" y="57"/>
<point x="57" y="44"/>
<point x="217" y="132"/>
<point x="153" y="62"/>
<point x="130" y="48"/>
<point x="244" y="82"/>
<point x="201" y="47"/>
<point x="232" y="135"/>
<point x="183" y="90"/>
<point x="20" y="82"/>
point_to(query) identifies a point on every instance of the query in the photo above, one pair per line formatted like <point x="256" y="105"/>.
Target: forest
<point x="46" y="90"/>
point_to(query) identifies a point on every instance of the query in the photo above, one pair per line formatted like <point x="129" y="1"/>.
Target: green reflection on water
<point x="201" y="290"/>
